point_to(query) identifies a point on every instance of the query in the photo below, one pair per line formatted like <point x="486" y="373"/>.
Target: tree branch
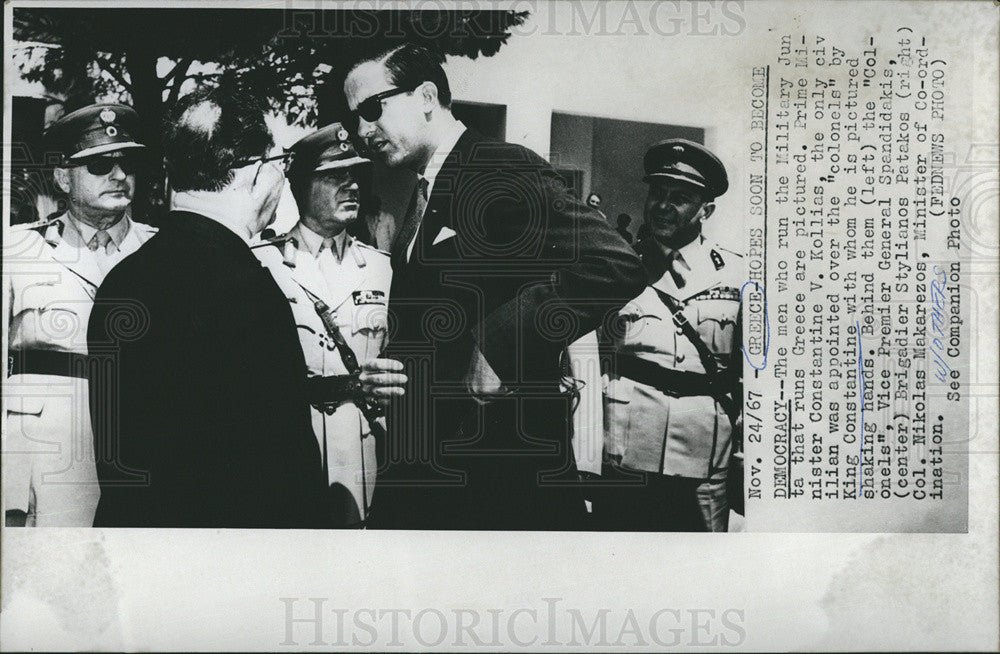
<point x="106" y="65"/>
<point x="180" y="68"/>
<point x="179" y="76"/>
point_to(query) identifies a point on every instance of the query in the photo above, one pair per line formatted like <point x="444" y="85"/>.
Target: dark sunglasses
<point x="371" y="108"/>
<point x="99" y="166"/>
<point x="285" y="158"/>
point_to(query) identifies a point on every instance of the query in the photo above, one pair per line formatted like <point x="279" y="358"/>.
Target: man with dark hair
<point x="496" y="269"/>
<point x="200" y="417"/>
<point x="53" y="269"/>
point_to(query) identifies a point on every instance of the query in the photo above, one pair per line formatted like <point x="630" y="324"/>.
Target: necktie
<point x="100" y="241"/>
<point x="410" y="225"/>
<point x="675" y="264"/>
<point x="104" y="250"/>
<point x="327" y="246"/>
<point x="328" y="263"/>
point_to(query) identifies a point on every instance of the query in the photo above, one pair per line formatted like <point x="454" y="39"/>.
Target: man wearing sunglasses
<point x="202" y="419"/>
<point x="496" y="270"/>
<point x="55" y="267"/>
<point x="318" y="260"/>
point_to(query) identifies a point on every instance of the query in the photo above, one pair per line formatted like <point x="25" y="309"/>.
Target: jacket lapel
<point x="79" y="261"/>
<point x="440" y="205"/>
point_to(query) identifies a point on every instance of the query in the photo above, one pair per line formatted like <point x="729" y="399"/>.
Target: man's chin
<point x="115" y="204"/>
<point x="346" y="217"/>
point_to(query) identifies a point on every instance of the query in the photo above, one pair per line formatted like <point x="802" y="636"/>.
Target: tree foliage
<point x="285" y="55"/>
<point x="293" y="58"/>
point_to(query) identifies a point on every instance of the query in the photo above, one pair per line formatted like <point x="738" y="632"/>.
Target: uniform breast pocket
<point x="367" y="329"/>
<point x="636" y="329"/>
<point x="51" y="314"/>
<point x="717" y="323"/>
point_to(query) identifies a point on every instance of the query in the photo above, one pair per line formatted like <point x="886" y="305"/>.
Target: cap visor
<point x="680" y="178"/>
<point x="107" y="147"/>
<point x="341" y="163"/>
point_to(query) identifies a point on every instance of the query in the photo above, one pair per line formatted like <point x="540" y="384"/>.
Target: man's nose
<point x="365" y="129"/>
<point x="117" y="172"/>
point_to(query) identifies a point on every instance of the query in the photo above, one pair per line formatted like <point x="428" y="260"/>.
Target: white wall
<point x="550" y="65"/>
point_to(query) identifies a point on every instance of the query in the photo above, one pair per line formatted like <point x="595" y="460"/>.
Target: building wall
<point x="549" y="65"/>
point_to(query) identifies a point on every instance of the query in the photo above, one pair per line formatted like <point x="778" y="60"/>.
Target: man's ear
<point x="61" y="178"/>
<point x="429" y="92"/>
<point x="707" y="210"/>
<point x="243" y="178"/>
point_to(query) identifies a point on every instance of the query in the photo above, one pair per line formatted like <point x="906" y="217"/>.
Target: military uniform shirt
<point x="48" y="468"/>
<point x="353" y="280"/>
<point x="650" y="430"/>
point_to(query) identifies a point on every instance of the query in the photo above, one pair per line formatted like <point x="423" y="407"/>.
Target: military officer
<point x="317" y="260"/>
<point x="671" y="402"/>
<point x="55" y="267"/>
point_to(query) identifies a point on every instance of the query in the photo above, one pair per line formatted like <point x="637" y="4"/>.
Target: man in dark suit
<point x="496" y="269"/>
<point x="199" y="411"/>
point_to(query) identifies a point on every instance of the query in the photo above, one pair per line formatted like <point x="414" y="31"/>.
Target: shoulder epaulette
<point x="38" y="224"/>
<point x="285" y="243"/>
<point x="369" y="247"/>
<point x="276" y="241"/>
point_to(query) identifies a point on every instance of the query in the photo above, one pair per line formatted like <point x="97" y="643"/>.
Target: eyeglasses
<point x="285" y="158"/>
<point x="100" y="166"/>
<point x="371" y="108"/>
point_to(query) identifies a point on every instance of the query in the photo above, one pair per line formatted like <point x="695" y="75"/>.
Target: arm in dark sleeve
<point x="594" y="272"/>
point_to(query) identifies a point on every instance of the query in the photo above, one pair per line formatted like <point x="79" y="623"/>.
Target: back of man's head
<point x="410" y="64"/>
<point x="207" y="132"/>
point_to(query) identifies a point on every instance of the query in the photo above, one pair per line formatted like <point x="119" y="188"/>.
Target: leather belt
<point x="48" y="362"/>
<point x="326" y="393"/>
<point x="676" y="383"/>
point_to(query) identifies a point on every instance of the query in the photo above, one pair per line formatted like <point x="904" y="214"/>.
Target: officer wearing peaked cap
<point x="49" y="473"/>
<point x="672" y="399"/>
<point x="317" y="260"/>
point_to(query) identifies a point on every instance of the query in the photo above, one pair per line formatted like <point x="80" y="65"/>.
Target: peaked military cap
<point x="686" y="161"/>
<point x="92" y="130"/>
<point x="325" y="149"/>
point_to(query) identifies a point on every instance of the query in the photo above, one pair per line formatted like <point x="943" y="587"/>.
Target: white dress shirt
<point x="444" y="148"/>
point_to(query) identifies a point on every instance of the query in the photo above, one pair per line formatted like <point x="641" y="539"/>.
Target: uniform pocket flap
<point x="619" y="390"/>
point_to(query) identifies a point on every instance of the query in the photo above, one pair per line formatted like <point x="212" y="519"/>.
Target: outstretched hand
<point x="382" y="379"/>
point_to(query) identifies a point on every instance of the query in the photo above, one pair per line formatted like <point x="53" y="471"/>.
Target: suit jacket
<point x="198" y="405"/>
<point x="508" y="261"/>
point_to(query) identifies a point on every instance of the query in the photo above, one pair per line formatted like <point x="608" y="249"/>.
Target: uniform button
<point x="679" y="358"/>
<point x="679" y="331"/>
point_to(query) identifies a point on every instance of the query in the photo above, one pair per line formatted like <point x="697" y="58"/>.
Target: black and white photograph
<point x="447" y="326"/>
